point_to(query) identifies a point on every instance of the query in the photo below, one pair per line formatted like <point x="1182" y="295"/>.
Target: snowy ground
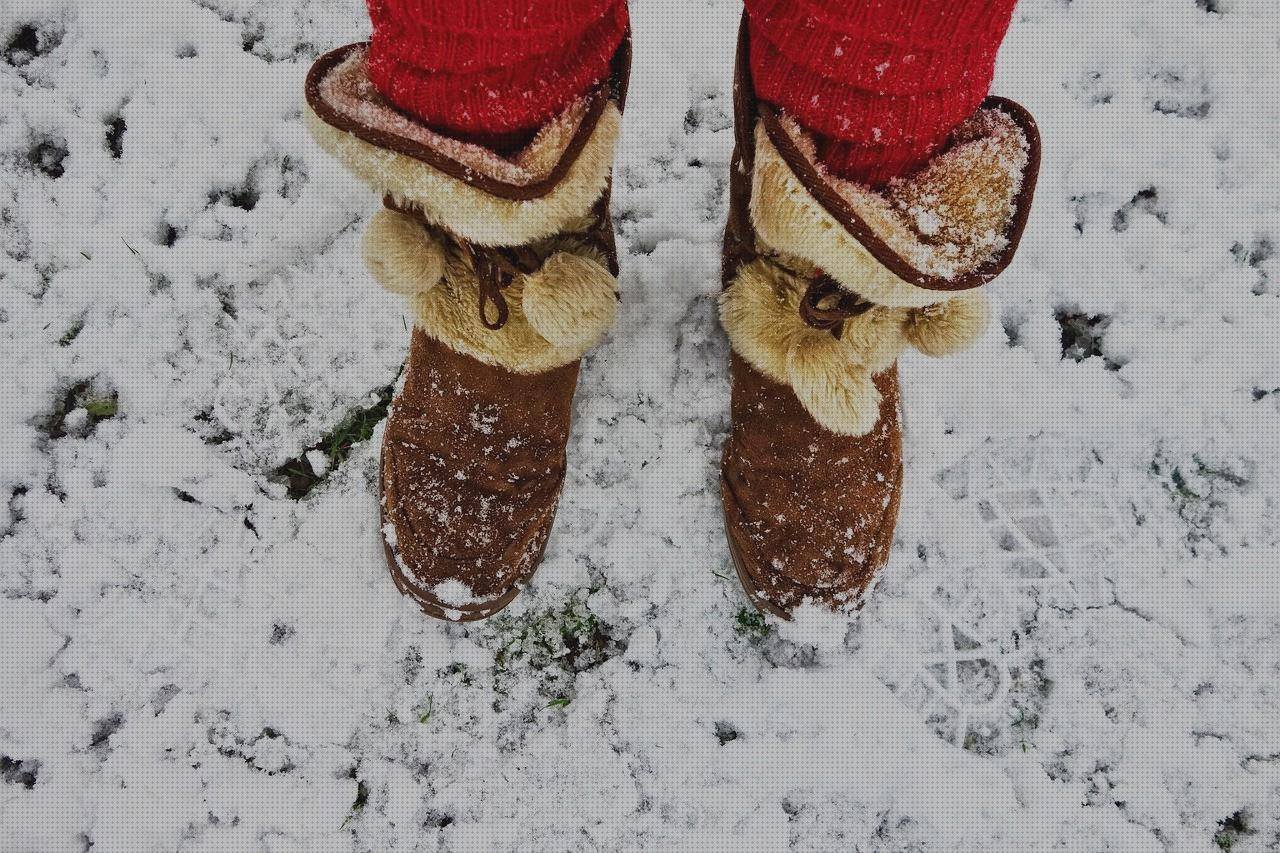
<point x="1076" y="645"/>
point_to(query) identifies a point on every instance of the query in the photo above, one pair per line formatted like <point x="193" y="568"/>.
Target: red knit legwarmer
<point x="881" y="83"/>
<point x="491" y="70"/>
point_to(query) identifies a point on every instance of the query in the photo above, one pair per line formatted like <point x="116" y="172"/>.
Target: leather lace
<point x="495" y="267"/>
<point x="826" y="305"/>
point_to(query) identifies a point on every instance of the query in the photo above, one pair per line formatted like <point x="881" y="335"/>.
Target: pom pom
<point x="401" y="255"/>
<point x="948" y="326"/>
<point x="571" y="301"/>
<point x="837" y="393"/>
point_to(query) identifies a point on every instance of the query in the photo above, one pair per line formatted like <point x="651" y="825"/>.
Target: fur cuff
<point x="951" y="227"/>
<point x="556" y="313"/>
<point x="346" y="116"/>
<point x="401" y="255"/>
<point x="832" y="377"/>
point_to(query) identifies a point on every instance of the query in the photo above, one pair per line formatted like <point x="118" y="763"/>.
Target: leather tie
<point x="826" y="305"/>
<point x="495" y="267"/>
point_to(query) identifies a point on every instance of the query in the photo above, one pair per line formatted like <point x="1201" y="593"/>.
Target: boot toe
<point x="460" y="551"/>
<point x="809" y="514"/>
<point x="827" y="567"/>
<point x="473" y="458"/>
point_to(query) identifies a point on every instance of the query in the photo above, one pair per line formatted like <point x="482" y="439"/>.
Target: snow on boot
<point x="509" y="266"/>
<point x="825" y="282"/>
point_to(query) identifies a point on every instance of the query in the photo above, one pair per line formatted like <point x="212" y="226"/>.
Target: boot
<point x="825" y="282"/>
<point x="509" y="267"/>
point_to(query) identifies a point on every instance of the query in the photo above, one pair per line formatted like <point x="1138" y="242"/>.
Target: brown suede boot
<point x="509" y="266"/>
<point x="825" y="282"/>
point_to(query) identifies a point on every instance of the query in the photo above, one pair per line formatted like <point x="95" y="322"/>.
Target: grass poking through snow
<point x="336" y="446"/>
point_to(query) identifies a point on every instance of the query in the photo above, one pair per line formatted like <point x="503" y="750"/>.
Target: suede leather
<point x="809" y="514"/>
<point x="473" y="459"/>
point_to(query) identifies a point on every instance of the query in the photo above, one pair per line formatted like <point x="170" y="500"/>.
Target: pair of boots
<point x="509" y="264"/>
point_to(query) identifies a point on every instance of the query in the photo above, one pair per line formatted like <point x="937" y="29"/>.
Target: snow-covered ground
<point x="1076" y="645"/>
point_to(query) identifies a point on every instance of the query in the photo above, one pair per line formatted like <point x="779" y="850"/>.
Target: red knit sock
<point x="880" y="83"/>
<point x="491" y="70"/>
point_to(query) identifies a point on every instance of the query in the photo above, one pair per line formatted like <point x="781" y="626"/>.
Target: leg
<point x="491" y="71"/>
<point x="880" y="83"/>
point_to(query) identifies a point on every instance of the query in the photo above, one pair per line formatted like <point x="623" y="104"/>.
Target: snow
<point x="454" y="592"/>
<point x="1076" y="644"/>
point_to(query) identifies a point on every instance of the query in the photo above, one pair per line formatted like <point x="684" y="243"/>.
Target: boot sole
<point x="756" y="597"/>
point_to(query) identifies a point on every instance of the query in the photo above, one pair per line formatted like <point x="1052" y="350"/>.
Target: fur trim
<point x="947" y="221"/>
<point x="449" y="312"/>
<point x="348" y="89"/>
<point x="571" y="301"/>
<point x="401" y="255"/>
<point x="469" y="212"/>
<point x="832" y="377"/>
<point x="760" y="313"/>
<point x="950" y="326"/>
<point x="556" y="313"/>
<point x="838" y="394"/>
